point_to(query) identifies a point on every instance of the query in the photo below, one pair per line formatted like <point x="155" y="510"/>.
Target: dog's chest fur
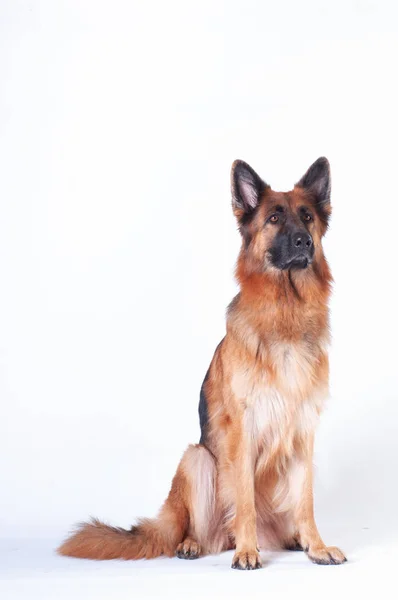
<point x="285" y="399"/>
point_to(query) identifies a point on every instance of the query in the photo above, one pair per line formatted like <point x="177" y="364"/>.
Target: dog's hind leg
<point x="205" y="533"/>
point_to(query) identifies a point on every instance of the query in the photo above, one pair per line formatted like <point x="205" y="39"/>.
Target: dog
<point x="248" y="484"/>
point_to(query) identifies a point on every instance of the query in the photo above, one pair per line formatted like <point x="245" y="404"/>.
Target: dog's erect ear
<point x="317" y="181"/>
<point x="247" y="188"/>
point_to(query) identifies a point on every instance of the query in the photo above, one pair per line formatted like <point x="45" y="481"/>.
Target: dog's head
<point x="281" y="230"/>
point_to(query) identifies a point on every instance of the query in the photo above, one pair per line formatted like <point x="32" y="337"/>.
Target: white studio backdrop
<point x="119" y="122"/>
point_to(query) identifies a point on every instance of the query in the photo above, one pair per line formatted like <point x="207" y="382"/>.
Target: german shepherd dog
<point x="248" y="483"/>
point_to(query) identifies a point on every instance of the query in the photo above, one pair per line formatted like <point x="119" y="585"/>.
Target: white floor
<point x="31" y="570"/>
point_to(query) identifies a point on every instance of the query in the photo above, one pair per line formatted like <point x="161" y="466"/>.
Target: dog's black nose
<point x="302" y="240"/>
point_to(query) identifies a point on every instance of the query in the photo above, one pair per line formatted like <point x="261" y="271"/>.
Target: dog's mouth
<point x="298" y="262"/>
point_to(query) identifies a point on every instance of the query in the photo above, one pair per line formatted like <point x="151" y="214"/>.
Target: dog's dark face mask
<point x="281" y="230"/>
<point x="293" y="245"/>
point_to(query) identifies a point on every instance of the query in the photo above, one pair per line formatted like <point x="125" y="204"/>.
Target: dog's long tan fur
<point x="249" y="483"/>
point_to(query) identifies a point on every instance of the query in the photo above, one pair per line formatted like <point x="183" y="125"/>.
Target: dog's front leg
<point x="310" y="539"/>
<point x="241" y="461"/>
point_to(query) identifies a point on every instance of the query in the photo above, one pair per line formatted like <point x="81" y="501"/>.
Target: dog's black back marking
<point x="203" y="412"/>
<point x="203" y="407"/>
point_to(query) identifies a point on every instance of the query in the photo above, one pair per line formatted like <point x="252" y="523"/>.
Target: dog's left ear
<point x="317" y="181"/>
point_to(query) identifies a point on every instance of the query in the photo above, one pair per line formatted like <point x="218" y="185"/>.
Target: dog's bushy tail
<point x="148" y="539"/>
<point x="99" y="541"/>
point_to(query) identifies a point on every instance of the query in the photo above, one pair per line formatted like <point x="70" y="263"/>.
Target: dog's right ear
<point x="247" y="189"/>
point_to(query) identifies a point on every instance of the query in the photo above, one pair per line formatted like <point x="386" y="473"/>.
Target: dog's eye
<point x="274" y="219"/>
<point x="307" y="217"/>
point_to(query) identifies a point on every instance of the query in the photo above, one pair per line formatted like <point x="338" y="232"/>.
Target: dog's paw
<point x="188" y="549"/>
<point x="246" y="560"/>
<point x="326" y="555"/>
<point x="293" y="545"/>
